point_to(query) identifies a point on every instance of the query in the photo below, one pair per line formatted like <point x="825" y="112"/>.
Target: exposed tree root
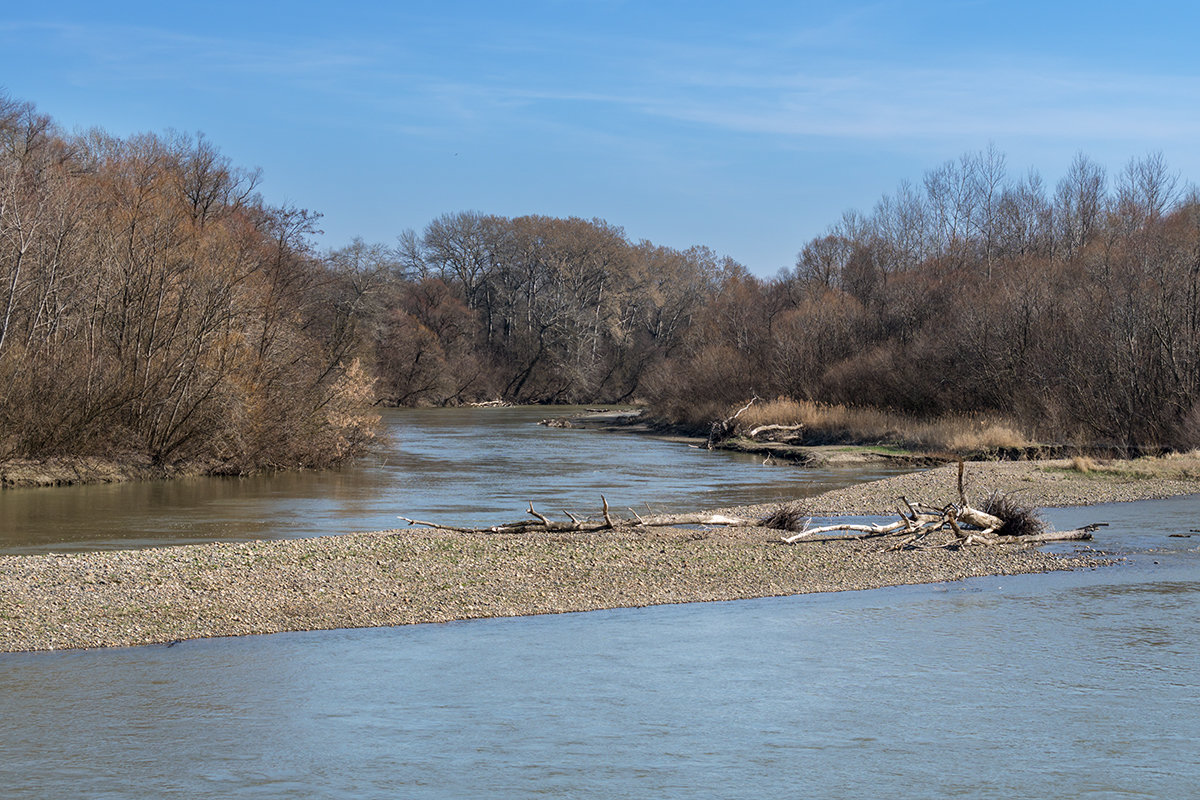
<point x="722" y="428"/>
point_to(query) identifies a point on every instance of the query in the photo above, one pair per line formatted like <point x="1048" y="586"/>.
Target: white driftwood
<point x="925" y="524"/>
<point x="543" y="524"/>
<point x="873" y="530"/>
<point x="979" y="519"/>
<point x="970" y="525"/>
<point x="1079" y="534"/>
<point x="754" y="432"/>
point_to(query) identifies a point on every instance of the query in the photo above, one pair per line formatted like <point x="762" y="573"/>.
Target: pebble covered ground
<point x="1043" y="484"/>
<point x="158" y="596"/>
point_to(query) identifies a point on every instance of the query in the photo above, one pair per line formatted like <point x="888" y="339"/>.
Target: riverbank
<point x="67" y="471"/>
<point x="158" y="596"/>
<point x="807" y="455"/>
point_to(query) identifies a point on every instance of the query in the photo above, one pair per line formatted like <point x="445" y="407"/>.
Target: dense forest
<point x="1075" y="312"/>
<point x="152" y="304"/>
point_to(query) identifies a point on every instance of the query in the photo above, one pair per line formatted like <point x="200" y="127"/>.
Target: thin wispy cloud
<point x="616" y="108"/>
<point x="885" y="102"/>
<point x="120" y="53"/>
<point x="747" y="89"/>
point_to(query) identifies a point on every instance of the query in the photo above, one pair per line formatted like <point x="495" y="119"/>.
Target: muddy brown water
<point x="451" y="466"/>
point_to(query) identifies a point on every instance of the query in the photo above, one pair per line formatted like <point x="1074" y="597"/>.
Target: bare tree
<point x="1079" y="204"/>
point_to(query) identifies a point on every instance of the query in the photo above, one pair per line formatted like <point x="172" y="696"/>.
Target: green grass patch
<point x="880" y="449"/>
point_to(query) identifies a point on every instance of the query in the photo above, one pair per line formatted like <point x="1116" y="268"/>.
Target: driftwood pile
<point x="722" y="429"/>
<point x="1001" y="521"/>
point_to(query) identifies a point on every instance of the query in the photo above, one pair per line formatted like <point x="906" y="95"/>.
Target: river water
<point x="1066" y="685"/>
<point x="451" y="466"/>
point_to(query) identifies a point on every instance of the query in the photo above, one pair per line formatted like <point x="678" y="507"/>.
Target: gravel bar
<point x="160" y="596"/>
<point x="1039" y="484"/>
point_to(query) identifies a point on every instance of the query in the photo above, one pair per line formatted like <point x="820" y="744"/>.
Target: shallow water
<point x="1065" y="685"/>
<point x="452" y="466"/>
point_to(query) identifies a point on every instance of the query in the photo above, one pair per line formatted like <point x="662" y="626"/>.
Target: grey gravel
<point x="141" y="597"/>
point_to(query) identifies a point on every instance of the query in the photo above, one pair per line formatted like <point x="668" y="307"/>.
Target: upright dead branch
<point x="722" y="428"/>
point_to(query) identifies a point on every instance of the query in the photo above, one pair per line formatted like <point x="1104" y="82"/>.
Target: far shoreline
<point x="62" y="471"/>
<point x="413" y="576"/>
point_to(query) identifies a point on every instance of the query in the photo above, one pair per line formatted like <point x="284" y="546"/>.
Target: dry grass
<point x="789" y="517"/>
<point x="966" y="436"/>
<point x="1084" y="464"/>
<point x="1173" y="466"/>
<point x="781" y="411"/>
<point x="826" y="423"/>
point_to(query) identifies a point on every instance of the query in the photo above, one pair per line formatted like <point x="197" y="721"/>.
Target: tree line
<point x="1075" y="312"/>
<point x="530" y="310"/>
<point x="1072" y="310"/>
<point x="152" y="304"/>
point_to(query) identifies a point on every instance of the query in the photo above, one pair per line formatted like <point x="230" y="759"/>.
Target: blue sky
<point x="747" y="127"/>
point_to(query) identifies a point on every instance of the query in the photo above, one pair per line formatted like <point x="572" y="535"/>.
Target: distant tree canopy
<point x="532" y="309"/>
<point x="152" y="304"/>
<point x="1076" y="312"/>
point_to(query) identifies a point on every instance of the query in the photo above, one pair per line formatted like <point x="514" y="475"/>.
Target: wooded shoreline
<point x="154" y="306"/>
<point x="160" y="596"/>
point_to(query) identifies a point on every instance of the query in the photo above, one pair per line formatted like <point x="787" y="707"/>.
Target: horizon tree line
<point x="153" y="305"/>
<point x="1075" y="311"/>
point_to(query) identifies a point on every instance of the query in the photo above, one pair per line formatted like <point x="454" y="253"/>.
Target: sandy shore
<point x="159" y="596"/>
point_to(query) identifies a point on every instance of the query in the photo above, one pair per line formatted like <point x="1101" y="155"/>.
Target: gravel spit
<point x="158" y="596"/>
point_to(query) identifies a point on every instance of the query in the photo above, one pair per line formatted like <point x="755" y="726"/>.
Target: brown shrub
<point x="1018" y="520"/>
<point x="1083" y="464"/>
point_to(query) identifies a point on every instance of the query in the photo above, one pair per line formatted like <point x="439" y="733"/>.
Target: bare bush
<point x="153" y="307"/>
<point x="1019" y="520"/>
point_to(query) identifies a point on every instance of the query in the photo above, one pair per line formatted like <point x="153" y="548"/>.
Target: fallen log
<point x="925" y="526"/>
<point x="1079" y="534"/>
<point x="793" y="431"/>
<point x="543" y="524"/>
<point x="1010" y="524"/>
<point x="869" y="530"/>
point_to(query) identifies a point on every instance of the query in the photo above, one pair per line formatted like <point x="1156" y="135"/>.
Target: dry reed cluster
<point x="830" y="423"/>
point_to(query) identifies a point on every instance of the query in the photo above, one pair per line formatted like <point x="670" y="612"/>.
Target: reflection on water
<point x="1066" y="685"/>
<point x="455" y="466"/>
